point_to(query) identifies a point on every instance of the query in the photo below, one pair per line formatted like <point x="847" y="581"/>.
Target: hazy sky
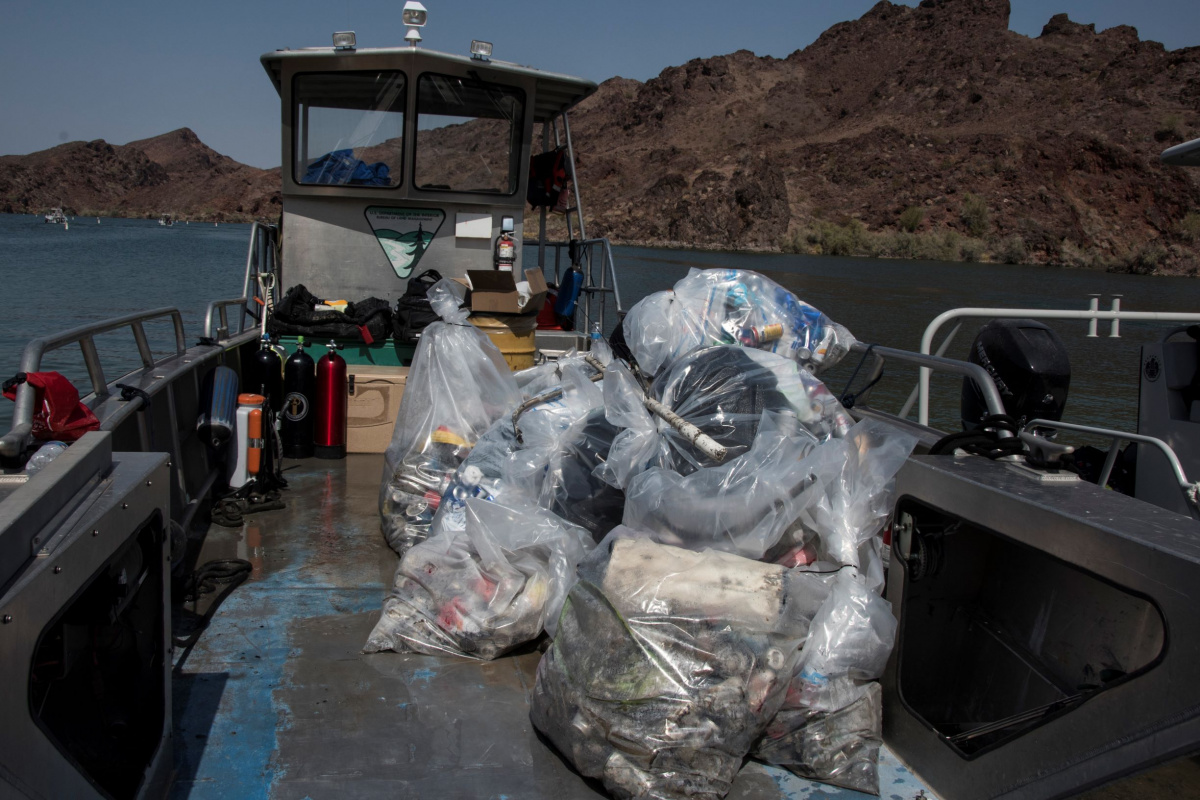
<point x="120" y="71"/>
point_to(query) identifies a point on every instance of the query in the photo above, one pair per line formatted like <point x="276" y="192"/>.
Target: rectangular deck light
<point x="481" y="50"/>
<point x="344" y="40"/>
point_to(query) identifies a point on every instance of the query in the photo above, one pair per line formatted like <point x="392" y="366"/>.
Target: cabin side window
<point x="349" y="128"/>
<point x="468" y="135"/>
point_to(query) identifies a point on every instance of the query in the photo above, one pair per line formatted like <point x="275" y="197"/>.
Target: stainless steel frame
<point x="1092" y="314"/>
<point x="1150" y="715"/>
<point x="57" y="532"/>
<point x="1188" y="488"/>
<point x="18" y="438"/>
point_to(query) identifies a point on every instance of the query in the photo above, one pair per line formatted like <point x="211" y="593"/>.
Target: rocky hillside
<point x="927" y="132"/>
<point x="174" y="173"/>
<point x="912" y="131"/>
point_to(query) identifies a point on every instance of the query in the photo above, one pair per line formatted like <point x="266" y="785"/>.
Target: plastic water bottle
<point x="597" y="346"/>
<point x="47" y="453"/>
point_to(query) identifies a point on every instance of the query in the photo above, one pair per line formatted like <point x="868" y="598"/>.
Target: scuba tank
<point x="330" y="428"/>
<point x="267" y="376"/>
<point x="568" y="296"/>
<point x="299" y="392"/>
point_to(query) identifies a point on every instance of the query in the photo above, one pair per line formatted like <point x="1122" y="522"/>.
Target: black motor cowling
<point x="1029" y="365"/>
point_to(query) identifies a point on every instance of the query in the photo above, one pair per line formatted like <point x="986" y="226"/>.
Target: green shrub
<point x="972" y="250"/>
<point x="1170" y="127"/>
<point x="912" y="218"/>
<point x="975" y="215"/>
<point x="1189" y="227"/>
<point x="1012" y="250"/>
<point x="1147" y="259"/>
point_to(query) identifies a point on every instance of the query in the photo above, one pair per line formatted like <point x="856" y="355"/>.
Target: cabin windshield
<point x="349" y="128"/>
<point x="468" y="135"/>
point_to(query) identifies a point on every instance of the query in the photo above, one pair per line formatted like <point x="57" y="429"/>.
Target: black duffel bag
<point x="413" y="311"/>
<point x="296" y="314"/>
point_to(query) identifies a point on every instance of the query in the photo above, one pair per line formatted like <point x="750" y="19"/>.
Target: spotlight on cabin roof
<point x="414" y="14"/>
<point x="414" y="17"/>
<point x="481" y="51"/>
<point x="343" y="40"/>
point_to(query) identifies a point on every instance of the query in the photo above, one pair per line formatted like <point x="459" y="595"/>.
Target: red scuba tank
<point x="329" y="436"/>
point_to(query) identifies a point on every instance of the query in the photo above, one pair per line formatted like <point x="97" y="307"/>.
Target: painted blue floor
<point x="277" y="701"/>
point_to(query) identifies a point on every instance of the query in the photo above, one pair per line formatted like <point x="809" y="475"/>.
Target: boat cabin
<point x="398" y="160"/>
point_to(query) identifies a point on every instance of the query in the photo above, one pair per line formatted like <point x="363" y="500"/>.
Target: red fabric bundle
<point x="59" y="414"/>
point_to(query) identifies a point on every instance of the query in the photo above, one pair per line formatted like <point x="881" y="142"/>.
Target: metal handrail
<point x="987" y="387"/>
<point x="260" y="259"/>
<point x="15" y="441"/>
<point x="1092" y="314"/>
<point x="1189" y="489"/>
<point x="594" y="284"/>
<point x="219" y="307"/>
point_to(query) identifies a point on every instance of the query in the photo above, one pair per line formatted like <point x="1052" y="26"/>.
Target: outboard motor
<point x="1029" y="364"/>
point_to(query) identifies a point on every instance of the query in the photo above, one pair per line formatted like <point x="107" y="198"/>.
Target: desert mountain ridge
<point x="931" y="132"/>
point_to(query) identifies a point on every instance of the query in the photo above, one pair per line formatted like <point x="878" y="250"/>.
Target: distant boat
<point x="166" y="221"/>
<point x="56" y="216"/>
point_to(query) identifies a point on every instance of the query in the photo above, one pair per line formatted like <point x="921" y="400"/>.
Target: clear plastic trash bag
<point x="742" y="506"/>
<point x="458" y="385"/>
<point x="502" y="467"/>
<point x="482" y="590"/>
<point x="830" y="725"/>
<point x="659" y="329"/>
<point x="725" y="392"/>
<point x="573" y="488"/>
<point x="737" y="307"/>
<point x="668" y="664"/>
<point x="857" y="476"/>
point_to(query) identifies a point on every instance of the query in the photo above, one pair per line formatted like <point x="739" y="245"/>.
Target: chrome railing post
<point x="143" y="346"/>
<point x="91" y="360"/>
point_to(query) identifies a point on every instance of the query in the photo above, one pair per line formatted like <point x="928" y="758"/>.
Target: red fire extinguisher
<point x="329" y="435"/>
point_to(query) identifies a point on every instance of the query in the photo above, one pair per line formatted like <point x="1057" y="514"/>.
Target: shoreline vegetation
<point x="979" y="244"/>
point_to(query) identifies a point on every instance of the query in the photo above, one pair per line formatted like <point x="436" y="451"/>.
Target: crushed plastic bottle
<point x="47" y="453"/>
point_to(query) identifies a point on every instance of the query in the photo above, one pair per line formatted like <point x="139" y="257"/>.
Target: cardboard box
<point x="372" y="406"/>
<point x="495" y="292"/>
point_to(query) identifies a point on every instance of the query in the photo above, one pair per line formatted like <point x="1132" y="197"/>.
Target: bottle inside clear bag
<point x="47" y="453"/>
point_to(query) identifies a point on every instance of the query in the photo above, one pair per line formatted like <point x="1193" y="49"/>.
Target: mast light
<point x="414" y="17"/>
<point x="414" y="14"/>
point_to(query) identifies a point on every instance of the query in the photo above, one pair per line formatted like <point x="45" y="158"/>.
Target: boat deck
<point x="277" y="701"/>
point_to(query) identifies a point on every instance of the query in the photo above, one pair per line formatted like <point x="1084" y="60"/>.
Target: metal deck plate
<point x="277" y="701"/>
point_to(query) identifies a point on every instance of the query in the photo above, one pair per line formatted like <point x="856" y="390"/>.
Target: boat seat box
<point x="495" y="291"/>
<point x="372" y="406"/>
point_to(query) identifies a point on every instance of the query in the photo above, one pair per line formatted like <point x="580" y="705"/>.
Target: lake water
<point x="55" y="279"/>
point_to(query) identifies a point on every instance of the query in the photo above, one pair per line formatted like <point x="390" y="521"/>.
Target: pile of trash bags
<point x="694" y="522"/>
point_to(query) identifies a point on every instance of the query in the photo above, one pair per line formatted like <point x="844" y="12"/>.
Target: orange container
<point x="255" y="444"/>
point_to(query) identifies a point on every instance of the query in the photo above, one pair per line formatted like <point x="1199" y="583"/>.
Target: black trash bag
<point x="296" y="314"/>
<point x="413" y="310"/>
<point x="724" y="392"/>
<point x="572" y="488"/>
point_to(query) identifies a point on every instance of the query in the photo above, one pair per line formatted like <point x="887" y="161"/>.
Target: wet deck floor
<point x="277" y="701"/>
